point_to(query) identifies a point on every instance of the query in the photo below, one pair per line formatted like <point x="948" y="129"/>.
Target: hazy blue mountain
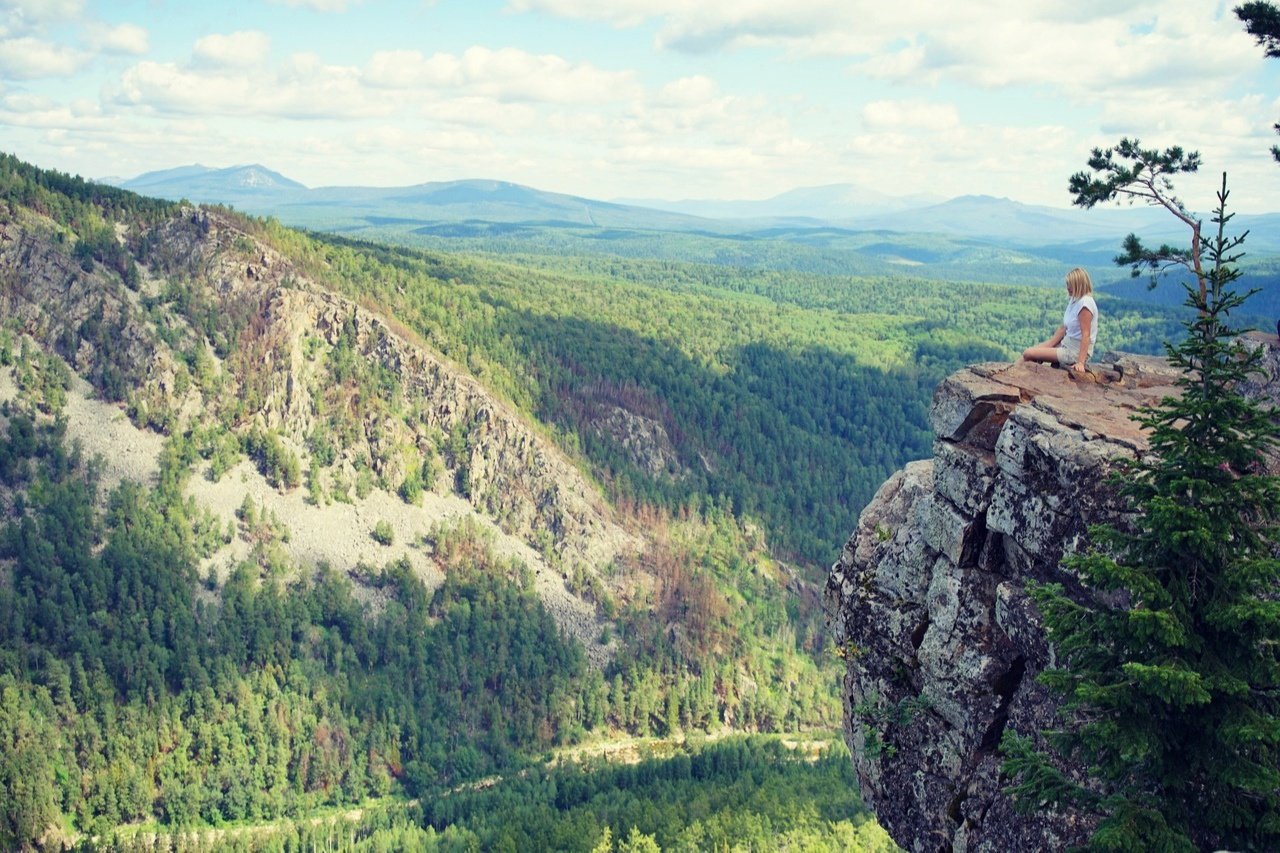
<point x="257" y="189"/>
<point x="494" y="201"/>
<point x="790" y="216"/>
<point x="832" y="202"/>
<point x="1264" y="231"/>
<point x="1014" y="223"/>
<point x="164" y="176"/>
<point x="232" y="185"/>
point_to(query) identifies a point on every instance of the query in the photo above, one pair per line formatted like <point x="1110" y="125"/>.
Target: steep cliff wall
<point x="928" y="598"/>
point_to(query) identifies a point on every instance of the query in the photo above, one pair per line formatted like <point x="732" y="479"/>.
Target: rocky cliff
<point x="220" y="335"/>
<point x="928" y="600"/>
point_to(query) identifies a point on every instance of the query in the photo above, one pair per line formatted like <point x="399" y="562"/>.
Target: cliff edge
<point x="928" y="603"/>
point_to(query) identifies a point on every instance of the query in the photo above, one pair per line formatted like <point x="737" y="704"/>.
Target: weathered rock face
<point x="928" y="598"/>
<point x="514" y="474"/>
<point x="644" y="439"/>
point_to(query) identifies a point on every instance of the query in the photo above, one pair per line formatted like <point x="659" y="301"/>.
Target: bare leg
<point x="1048" y="355"/>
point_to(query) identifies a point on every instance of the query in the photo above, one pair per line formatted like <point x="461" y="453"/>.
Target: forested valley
<point x="793" y="396"/>
<point x="737" y="418"/>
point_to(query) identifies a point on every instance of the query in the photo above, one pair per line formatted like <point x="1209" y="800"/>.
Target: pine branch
<point x="1130" y="171"/>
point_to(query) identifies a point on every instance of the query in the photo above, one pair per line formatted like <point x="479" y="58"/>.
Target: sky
<point x="669" y="99"/>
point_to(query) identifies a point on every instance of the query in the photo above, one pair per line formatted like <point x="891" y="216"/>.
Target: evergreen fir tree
<point x="1169" y="664"/>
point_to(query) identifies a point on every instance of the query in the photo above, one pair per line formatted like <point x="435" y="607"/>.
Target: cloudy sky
<point x="730" y="99"/>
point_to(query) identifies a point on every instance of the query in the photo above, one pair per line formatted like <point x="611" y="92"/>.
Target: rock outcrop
<point x="203" y="275"/>
<point x="928" y="599"/>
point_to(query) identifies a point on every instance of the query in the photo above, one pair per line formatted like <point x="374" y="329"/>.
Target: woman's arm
<point x="1055" y="339"/>
<point x="1046" y="350"/>
<point x="1086" y="327"/>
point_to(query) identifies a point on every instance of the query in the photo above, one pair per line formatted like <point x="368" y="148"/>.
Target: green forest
<point x="139" y="691"/>
<point x="129" y="694"/>
<point x="790" y="396"/>
<point x="750" y="794"/>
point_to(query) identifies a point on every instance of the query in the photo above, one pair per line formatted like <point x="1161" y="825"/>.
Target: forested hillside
<point x="162" y="662"/>
<point x="809" y="249"/>
<point x="744" y="793"/>
<point x="641" y="461"/>
<point x="791" y="395"/>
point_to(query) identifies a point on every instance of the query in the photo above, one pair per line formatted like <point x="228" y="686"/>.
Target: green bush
<point x="411" y="488"/>
<point x="276" y="462"/>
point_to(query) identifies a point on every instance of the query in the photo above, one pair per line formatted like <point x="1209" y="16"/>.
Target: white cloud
<point x="121" y="39"/>
<point x="24" y="103"/>
<point x="480" y="86"/>
<point x="481" y="112"/>
<point x="410" y="69"/>
<point x="23" y="110"/>
<point x="620" y="13"/>
<point x="1082" y="58"/>
<point x="242" y="49"/>
<point x="320" y="5"/>
<point x="507" y="74"/>
<point x="681" y="158"/>
<point x="1019" y="162"/>
<point x="922" y="115"/>
<point x="515" y="75"/>
<point x="29" y="58"/>
<point x="1072" y="44"/>
<point x="300" y="89"/>
<point x="702" y="28"/>
<point x="391" y="138"/>
<point x="708" y="25"/>
<point x="26" y="16"/>
<point x="688" y="91"/>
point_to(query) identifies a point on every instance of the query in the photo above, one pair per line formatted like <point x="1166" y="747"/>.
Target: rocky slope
<point x="928" y="601"/>
<point x="220" y="336"/>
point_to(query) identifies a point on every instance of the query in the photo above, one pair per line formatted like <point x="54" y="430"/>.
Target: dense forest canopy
<point x="736" y="415"/>
<point x="793" y="396"/>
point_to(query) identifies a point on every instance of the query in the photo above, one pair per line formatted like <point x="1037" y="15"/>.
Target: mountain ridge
<point x="1004" y="221"/>
<point x="287" y="306"/>
<point x="257" y="189"/>
<point x="823" y="202"/>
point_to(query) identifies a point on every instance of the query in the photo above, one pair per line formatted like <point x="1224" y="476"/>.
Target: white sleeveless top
<point x="1071" y="318"/>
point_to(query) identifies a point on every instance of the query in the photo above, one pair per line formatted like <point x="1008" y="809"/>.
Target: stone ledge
<point x="930" y="589"/>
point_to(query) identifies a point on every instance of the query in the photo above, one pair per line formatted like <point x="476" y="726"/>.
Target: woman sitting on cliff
<point x="1079" y="324"/>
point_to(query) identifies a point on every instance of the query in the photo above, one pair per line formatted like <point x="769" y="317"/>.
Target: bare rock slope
<point x="224" y="335"/>
<point x="928" y="598"/>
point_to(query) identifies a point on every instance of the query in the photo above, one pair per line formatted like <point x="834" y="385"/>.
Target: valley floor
<point x="723" y="790"/>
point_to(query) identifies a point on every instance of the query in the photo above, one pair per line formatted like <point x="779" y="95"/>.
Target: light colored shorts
<point x="1069" y="352"/>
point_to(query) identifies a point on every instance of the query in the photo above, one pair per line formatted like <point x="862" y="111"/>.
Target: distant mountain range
<point x="204" y="181"/>
<point x="826" y="204"/>
<point x="257" y="189"/>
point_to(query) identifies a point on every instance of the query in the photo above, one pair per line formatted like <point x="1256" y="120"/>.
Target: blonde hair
<point x="1078" y="283"/>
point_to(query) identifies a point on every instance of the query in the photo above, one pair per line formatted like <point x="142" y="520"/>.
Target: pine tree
<point x="1262" y="21"/>
<point x="1169" y="665"/>
<point x="1129" y="172"/>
